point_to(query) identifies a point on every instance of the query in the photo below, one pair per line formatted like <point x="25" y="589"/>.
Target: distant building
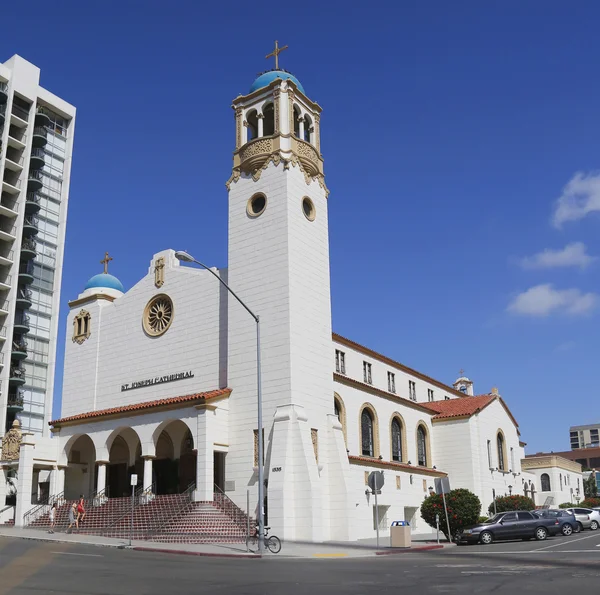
<point x="585" y="436"/>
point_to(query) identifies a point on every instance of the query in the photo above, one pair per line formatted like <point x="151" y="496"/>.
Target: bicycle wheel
<point x="274" y="544"/>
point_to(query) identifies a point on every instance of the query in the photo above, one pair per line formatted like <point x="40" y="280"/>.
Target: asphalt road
<point x="566" y="565"/>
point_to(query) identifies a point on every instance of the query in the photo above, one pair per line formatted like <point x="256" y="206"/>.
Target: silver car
<point x="586" y="517"/>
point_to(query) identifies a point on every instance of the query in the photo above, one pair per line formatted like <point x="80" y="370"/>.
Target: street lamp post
<point x="185" y="257"/>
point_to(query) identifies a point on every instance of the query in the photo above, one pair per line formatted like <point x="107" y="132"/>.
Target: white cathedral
<point x="161" y="380"/>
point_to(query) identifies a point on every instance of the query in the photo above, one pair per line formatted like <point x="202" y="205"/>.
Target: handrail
<point x="230" y="508"/>
<point x="188" y="492"/>
<point x="33" y="197"/>
<point x="41" y="509"/>
<point x="15" y="400"/>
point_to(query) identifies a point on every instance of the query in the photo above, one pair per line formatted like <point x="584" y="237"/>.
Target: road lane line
<point x="570" y="541"/>
<point x="76" y="554"/>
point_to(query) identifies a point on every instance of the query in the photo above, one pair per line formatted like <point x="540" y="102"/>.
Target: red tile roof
<point x="459" y="407"/>
<point x="206" y="396"/>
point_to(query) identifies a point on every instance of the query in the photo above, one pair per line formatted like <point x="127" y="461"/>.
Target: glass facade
<point x="44" y="272"/>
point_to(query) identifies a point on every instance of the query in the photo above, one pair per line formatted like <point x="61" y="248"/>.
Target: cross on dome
<point x="105" y="262"/>
<point x="275" y="53"/>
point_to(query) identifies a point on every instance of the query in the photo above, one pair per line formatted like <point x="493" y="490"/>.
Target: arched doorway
<point x="125" y="459"/>
<point x="80" y="475"/>
<point x="174" y="467"/>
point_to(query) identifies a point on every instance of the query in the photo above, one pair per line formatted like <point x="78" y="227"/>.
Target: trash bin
<point x="400" y="534"/>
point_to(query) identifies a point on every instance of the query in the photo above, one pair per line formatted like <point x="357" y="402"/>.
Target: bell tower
<point x="278" y="260"/>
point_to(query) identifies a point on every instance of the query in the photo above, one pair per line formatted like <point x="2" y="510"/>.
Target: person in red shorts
<point x="80" y="511"/>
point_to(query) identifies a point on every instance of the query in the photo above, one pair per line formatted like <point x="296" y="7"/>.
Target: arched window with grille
<point x="501" y="453"/>
<point x="545" y="480"/>
<point x="396" y="440"/>
<point x="421" y="446"/>
<point x="367" y="436"/>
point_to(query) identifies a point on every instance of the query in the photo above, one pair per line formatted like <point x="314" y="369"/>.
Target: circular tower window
<point x="158" y="315"/>
<point x="308" y="208"/>
<point x="256" y="205"/>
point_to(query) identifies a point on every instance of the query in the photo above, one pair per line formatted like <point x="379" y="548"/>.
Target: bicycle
<point x="272" y="543"/>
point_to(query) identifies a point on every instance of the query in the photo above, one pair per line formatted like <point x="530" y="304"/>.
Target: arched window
<point x="308" y="127"/>
<point x="396" y="440"/>
<point x="297" y="116"/>
<point x="501" y="447"/>
<point x="269" y="120"/>
<point x="367" y="435"/>
<point x="252" y="124"/>
<point x="421" y="446"/>
<point x="545" y="480"/>
<point x="340" y="411"/>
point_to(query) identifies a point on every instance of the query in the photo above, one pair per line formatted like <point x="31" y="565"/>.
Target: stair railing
<point x="232" y="510"/>
<point x="146" y="496"/>
<point x="41" y="509"/>
<point x="188" y="497"/>
<point x="100" y="497"/>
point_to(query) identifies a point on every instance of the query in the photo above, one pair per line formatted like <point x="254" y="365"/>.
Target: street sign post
<point x="134" y="480"/>
<point x="376" y="481"/>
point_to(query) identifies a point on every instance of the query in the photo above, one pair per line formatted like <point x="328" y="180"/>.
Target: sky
<point x="461" y="151"/>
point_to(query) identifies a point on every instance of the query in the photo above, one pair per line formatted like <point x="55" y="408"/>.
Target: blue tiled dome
<point x="266" y="78"/>
<point x="106" y="281"/>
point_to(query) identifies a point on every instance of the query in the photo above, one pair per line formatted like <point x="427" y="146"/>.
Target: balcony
<point x="30" y="226"/>
<point x="40" y="137"/>
<point x="16" y="138"/>
<point x="5" y="282"/>
<point x="11" y="184"/>
<point x="32" y="203"/>
<point x="26" y="273"/>
<point x="15" y="401"/>
<point x="14" y="161"/>
<point x="34" y="180"/>
<point x="8" y="205"/>
<point x="3" y="93"/>
<point x="28" y="249"/>
<point x="24" y="298"/>
<point x="42" y="116"/>
<point x="17" y="375"/>
<point x="22" y="324"/>
<point x="8" y="232"/>
<point x="19" y="116"/>
<point x="2" y="114"/>
<point x="7" y="258"/>
<point x="37" y="159"/>
<point x="19" y="349"/>
<point x="4" y="305"/>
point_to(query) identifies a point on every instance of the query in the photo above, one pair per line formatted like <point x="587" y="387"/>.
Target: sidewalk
<point x="363" y="548"/>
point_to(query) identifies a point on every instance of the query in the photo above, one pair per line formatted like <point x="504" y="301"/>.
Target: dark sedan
<point x="510" y="525"/>
<point x="568" y="522"/>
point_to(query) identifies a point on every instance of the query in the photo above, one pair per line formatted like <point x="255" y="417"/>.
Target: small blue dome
<point x="266" y="78"/>
<point x="105" y="280"/>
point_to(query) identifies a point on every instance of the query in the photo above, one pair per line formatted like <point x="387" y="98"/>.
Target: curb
<point x="190" y="553"/>
<point x="408" y="550"/>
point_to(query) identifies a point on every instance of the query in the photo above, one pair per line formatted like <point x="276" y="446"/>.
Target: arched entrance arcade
<point x="124" y="459"/>
<point x="174" y="466"/>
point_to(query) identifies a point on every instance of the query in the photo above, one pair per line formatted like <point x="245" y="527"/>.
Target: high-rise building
<point x="584" y="436"/>
<point x="36" y="144"/>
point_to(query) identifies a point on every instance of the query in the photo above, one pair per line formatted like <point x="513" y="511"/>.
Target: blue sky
<point x="460" y="145"/>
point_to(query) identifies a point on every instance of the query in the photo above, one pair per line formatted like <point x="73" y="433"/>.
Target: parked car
<point x="521" y="524"/>
<point x="586" y="517"/>
<point x="567" y="520"/>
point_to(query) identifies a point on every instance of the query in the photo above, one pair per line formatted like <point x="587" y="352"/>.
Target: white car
<point x="587" y="518"/>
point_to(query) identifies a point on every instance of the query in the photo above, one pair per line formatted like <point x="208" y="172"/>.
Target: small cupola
<point x="104" y="282"/>
<point x="464" y="384"/>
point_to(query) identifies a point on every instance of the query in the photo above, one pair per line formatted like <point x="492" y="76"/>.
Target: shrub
<point x="591" y="503"/>
<point x="482" y="519"/>
<point x="508" y="503"/>
<point x="590" y="487"/>
<point x="463" y="510"/>
<point x="566" y="505"/>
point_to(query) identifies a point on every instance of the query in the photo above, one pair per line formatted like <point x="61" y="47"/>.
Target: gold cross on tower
<point x="461" y="372"/>
<point x="276" y="53"/>
<point x="105" y="262"/>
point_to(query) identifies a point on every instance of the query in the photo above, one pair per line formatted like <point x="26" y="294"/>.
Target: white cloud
<point x="543" y="300"/>
<point x="579" y="198"/>
<point x="572" y="255"/>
